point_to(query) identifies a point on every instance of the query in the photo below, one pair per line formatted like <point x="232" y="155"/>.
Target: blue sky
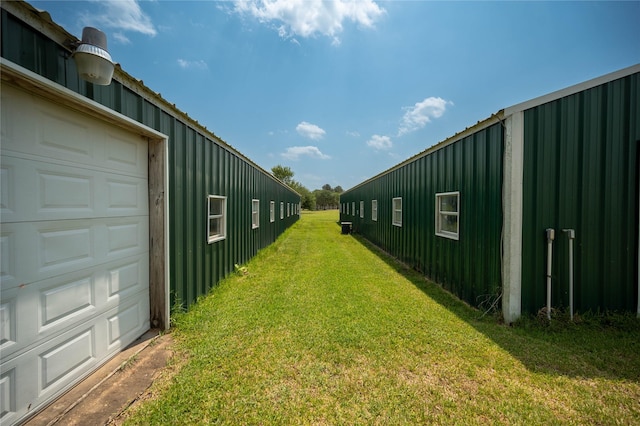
<point x="342" y="90"/>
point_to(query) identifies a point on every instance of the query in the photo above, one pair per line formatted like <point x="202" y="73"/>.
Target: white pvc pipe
<point x="550" y="236"/>
<point x="571" y="234"/>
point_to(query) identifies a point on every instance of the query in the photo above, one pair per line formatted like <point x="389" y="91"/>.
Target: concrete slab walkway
<point x="102" y="397"/>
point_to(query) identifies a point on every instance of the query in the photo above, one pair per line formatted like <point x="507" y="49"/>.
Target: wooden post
<point x="158" y="297"/>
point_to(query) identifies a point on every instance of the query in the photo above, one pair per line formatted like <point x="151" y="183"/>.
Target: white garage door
<point x="74" y="245"/>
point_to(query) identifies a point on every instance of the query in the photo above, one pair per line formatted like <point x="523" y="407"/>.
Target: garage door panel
<point x="8" y="320"/>
<point x="127" y="322"/>
<point x="74" y="243"/>
<point x="124" y="196"/>
<point x="66" y="302"/>
<point x="54" y="307"/>
<point x="58" y="304"/>
<point x="44" y="129"/>
<point x="60" y="192"/>
<point x="127" y="277"/>
<point x="126" y="237"/>
<point x="125" y="155"/>
<point x="57" y="364"/>
<point x="64" y="136"/>
<point x="7" y="196"/>
<point x="7" y="259"/>
<point x="68" y="249"/>
<point x="8" y="392"/>
<point x="66" y="358"/>
<point x="37" y="251"/>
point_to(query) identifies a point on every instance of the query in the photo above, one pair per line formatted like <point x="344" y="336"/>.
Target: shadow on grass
<point x="598" y="346"/>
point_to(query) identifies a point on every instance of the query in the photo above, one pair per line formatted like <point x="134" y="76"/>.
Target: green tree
<point x="326" y="187"/>
<point x="284" y="173"/>
<point x="308" y="199"/>
<point x="338" y="189"/>
<point x="326" y="199"/>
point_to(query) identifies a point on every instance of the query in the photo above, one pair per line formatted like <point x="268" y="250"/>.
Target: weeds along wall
<point x="466" y="264"/>
<point x="199" y="163"/>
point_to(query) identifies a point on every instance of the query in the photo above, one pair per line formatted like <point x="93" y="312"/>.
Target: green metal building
<point x="115" y="207"/>
<point x="473" y="212"/>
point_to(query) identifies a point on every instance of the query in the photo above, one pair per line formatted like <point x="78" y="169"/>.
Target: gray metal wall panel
<point x="469" y="267"/>
<point x="580" y="172"/>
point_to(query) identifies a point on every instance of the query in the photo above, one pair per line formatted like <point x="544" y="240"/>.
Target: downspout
<point x="550" y="232"/>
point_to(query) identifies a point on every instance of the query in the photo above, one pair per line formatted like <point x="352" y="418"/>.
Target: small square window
<point x="281" y="210"/>
<point x="362" y="209"/>
<point x="397" y="211"/>
<point x="216" y="218"/>
<point x="255" y="214"/>
<point x="374" y="210"/>
<point x="272" y="211"/>
<point x="447" y="215"/>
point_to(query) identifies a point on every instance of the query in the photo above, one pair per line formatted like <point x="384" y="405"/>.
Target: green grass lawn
<point x="324" y="329"/>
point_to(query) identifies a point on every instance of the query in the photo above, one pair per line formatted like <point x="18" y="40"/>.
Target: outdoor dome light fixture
<point x="92" y="59"/>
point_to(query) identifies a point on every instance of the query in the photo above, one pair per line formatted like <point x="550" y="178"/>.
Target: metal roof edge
<point x="43" y="87"/>
<point x="572" y="89"/>
<point x="41" y="21"/>
<point x="480" y="125"/>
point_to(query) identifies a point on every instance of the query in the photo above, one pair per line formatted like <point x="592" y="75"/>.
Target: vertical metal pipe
<point x="550" y="236"/>
<point x="571" y="234"/>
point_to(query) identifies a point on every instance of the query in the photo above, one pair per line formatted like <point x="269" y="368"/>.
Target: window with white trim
<point x="397" y="211"/>
<point x="447" y="215"/>
<point x="347" y="208"/>
<point x="272" y="211"/>
<point x="281" y="210"/>
<point x="353" y="208"/>
<point x="216" y="218"/>
<point x="255" y="214"/>
<point x="374" y="210"/>
<point x="288" y="209"/>
<point x="362" y="209"/>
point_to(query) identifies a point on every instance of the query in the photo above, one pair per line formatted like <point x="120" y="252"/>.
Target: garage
<point x="74" y="243"/>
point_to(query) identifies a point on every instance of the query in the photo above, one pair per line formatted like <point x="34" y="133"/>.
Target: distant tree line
<point x="318" y="199"/>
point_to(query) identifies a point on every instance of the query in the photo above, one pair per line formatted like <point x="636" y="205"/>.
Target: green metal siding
<point x="199" y="165"/>
<point x="581" y="172"/>
<point x="468" y="267"/>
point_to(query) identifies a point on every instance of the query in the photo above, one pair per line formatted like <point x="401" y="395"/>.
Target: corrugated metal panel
<point x="581" y="172"/>
<point x="199" y="165"/>
<point x="468" y="267"/>
<point x="202" y="168"/>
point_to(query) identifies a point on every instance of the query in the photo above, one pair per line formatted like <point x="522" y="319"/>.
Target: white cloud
<point x="417" y="116"/>
<point x="124" y="15"/>
<point x="310" y="131"/>
<point x="121" y="38"/>
<point x="353" y="134"/>
<point x="380" y="142"/>
<point x="307" y="18"/>
<point x="184" y="64"/>
<point x="295" y="152"/>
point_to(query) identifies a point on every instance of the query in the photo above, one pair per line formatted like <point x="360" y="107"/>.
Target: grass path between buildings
<point x="324" y="329"/>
